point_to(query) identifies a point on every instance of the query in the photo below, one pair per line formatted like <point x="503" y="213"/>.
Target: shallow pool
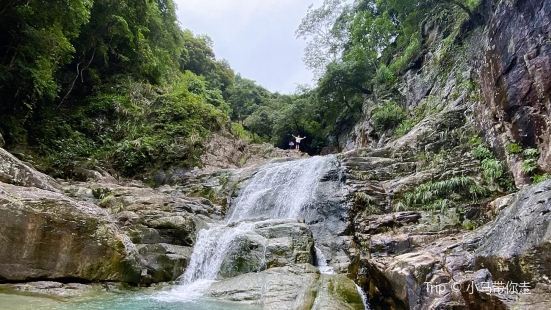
<point x="126" y="301"/>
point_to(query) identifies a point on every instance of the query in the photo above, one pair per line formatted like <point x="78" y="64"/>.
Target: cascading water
<point x="324" y="268"/>
<point x="277" y="191"/>
<point x="280" y="190"/>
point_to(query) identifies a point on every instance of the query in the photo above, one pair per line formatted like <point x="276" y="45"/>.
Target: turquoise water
<point x="130" y="301"/>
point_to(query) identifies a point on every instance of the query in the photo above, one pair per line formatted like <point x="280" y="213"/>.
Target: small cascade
<point x="277" y="191"/>
<point x="364" y="297"/>
<point x="211" y="246"/>
<point x="324" y="268"/>
<point x="321" y="261"/>
<point x="280" y="190"/>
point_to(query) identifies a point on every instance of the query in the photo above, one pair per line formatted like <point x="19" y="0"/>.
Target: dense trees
<point x="118" y="81"/>
<point x="34" y="43"/>
<point x="359" y="49"/>
<point x="121" y="82"/>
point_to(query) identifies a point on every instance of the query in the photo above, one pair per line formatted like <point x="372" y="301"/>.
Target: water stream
<point x="277" y="191"/>
<point x="280" y="190"/>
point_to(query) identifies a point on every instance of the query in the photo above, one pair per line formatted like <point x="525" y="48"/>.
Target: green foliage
<point x="387" y="116"/>
<point x="481" y="152"/>
<point x="405" y="127"/>
<point x="531" y="153"/>
<point x="529" y="165"/>
<point x="411" y="51"/>
<point x="513" y="148"/>
<point x="240" y="132"/>
<point x="117" y="81"/>
<point x="324" y="29"/>
<point x="530" y="162"/>
<point x="245" y="97"/>
<point x="35" y="43"/>
<point x="492" y="169"/>
<point x="440" y="195"/>
<point x="541" y="178"/>
<point x="420" y="112"/>
<point x="384" y="75"/>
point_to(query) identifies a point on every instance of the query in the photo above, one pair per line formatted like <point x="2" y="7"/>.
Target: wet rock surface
<point x="56" y="289"/>
<point x="291" y="287"/>
<point x="516" y="77"/>
<point x="272" y="243"/>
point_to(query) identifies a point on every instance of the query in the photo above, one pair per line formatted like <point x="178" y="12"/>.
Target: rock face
<point x="46" y="235"/>
<point x="272" y="243"/>
<point x="516" y="77"/>
<point x="97" y="231"/>
<point x="496" y="84"/>
<point x="291" y="287"/>
<point x="514" y="248"/>
<point x="225" y="152"/>
<point x="162" y="223"/>
<point x="517" y="245"/>
<point x="14" y="171"/>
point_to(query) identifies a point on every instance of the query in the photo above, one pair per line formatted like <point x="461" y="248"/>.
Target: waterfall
<point x="209" y="251"/>
<point x="277" y="191"/>
<point x="364" y="297"/>
<point x="321" y="261"/>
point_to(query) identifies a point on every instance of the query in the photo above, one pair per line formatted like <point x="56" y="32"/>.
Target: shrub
<point x="513" y="148"/>
<point x="481" y="152"/>
<point x="384" y="75"/>
<point x="388" y="116"/>
<point x="405" y="127"/>
<point x="531" y="153"/>
<point x="442" y="194"/>
<point x="239" y="131"/>
<point x="492" y="169"/>
<point x="529" y="165"/>
<point x="410" y="52"/>
<point x="541" y="177"/>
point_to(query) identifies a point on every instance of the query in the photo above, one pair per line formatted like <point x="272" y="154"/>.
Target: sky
<point x="257" y="37"/>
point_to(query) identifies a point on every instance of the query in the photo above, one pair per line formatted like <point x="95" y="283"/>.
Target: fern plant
<point x="513" y="148"/>
<point x="492" y="169"/>
<point x="529" y="166"/>
<point x="443" y="194"/>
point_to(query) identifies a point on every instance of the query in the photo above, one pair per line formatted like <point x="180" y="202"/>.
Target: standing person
<point x="297" y="141"/>
<point x="291" y="145"/>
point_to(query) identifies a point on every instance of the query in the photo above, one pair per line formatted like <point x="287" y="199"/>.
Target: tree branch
<point x="79" y="73"/>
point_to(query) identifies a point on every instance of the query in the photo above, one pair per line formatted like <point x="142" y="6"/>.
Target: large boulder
<point x="46" y="235"/>
<point x="161" y="222"/>
<point x="337" y="292"/>
<point x="291" y="287"/>
<point x="14" y="171"/>
<point x="517" y="245"/>
<point x="272" y="243"/>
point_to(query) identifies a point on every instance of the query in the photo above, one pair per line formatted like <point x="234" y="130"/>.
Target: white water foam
<point x="323" y="267"/>
<point x="364" y="297"/>
<point x="276" y="191"/>
<point x="280" y="190"/>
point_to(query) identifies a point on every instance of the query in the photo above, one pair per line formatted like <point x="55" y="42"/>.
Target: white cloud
<point x="257" y="37"/>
